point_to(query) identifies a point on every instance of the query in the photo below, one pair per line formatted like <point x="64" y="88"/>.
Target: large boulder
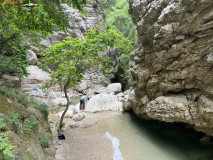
<point x="171" y="68"/>
<point x="104" y="102"/>
<point x="83" y="86"/>
<point x="114" y="88"/>
<point x="32" y="57"/>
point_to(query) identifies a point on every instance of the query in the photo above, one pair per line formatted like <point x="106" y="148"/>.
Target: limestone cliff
<point x="172" y="66"/>
<point x="79" y="24"/>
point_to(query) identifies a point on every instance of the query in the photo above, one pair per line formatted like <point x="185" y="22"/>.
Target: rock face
<point x="172" y="66"/>
<point x="79" y="25"/>
<point x="104" y="102"/>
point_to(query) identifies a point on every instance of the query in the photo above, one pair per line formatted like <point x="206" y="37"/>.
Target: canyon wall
<point x="172" y="67"/>
<point x="79" y="25"/>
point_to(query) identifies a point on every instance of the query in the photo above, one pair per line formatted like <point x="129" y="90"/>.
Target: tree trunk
<point x="67" y="107"/>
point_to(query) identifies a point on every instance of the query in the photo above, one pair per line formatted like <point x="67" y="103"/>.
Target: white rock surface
<point x="114" y="88"/>
<point x="104" y="102"/>
<point x="83" y="86"/>
<point x="36" y="77"/>
<point x="32" y="57"/>
<point x="59" y="101"/>
<point x="79" y="117"/>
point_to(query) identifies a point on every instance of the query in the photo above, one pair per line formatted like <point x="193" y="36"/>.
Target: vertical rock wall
<point x="172" y="66"/>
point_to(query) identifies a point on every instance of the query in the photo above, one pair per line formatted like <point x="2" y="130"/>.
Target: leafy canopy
<point x="20" y="24"/>
<point x="118" y="18"/>
<point x="74" y="57"/>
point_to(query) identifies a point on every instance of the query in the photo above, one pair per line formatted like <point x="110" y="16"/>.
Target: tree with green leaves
<point x="118" y="19"/>
<point x="74" y="57"/>
<point x="20" y="24"/>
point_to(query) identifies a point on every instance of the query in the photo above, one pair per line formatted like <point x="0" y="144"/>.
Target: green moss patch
<point x="7" y="108"/>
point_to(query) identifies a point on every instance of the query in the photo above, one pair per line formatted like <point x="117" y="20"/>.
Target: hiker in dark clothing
<point x="83" y="101"/>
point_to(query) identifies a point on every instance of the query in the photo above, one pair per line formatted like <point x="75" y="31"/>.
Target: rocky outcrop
<point x="35" y="78"/>
<point x="79" y="25"/>
<point x="172" y="66"/>
<point x="114" y="88"/>
<point x="104" y="102"/>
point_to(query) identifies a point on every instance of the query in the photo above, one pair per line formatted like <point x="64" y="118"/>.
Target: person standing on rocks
<point x="83" y="101"/>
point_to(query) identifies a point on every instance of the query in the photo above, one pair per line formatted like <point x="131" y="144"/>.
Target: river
<point x="152" y="140"/>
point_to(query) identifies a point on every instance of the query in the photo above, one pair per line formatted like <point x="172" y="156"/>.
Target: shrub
<point x="43" y="66"/>
<point x="15" y="94"/>
<point x="30" y="124"/>
<point x="45" y="142"/>
<point x="41" y="107"/>
<point x="14" y="64"/>
<point x="22" y="97"/>
<point x="5" y="145"/>
<point x="2" y="124"/>
<point x="14" y="120"/>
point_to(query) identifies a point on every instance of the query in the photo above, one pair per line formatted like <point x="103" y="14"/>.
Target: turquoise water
<point x="151" y="140"/>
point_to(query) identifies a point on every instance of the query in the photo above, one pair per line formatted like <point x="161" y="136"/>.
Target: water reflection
<point x="152" y="140"/>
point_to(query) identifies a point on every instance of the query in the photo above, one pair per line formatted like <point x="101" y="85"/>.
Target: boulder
<point x="69" y="113"/>
<point x="114" y="88"/>
<point x="79" y="117"/>
<point x="60" y="101"/>
<point x="32" y="57"/>
<point x="83" y="86"/>
<point x="104" y="102"/>
<point x="45" y="43"/>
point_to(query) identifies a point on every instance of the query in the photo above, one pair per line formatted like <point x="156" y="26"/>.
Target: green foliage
<point x="75" y="56"/>
<point x="108" y="77"/>
<point x="2" y="124"/>
<point x="14" y="121"/>
<point x="15" y="94"/>
<point x="5" y="145"/>
<point x="118" y="18"/>
<point x="30" y="124"/>
<point x="43" y="66"/>
<point x="45" y="142"/>
<point x="124" y="65"/>
<point x="25" y="24"/>
<point x="13" y="64"/>
<point x="42" y="107"/>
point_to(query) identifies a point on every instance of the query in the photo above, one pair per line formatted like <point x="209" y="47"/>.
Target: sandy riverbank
<point x="87" y="141"/>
